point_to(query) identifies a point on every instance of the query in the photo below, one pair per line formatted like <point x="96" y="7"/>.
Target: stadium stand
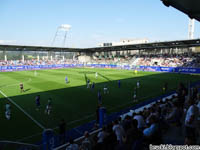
<point x="173" y="120"/>
<point x="165" y="60"/>
<point x="166" y="121"/>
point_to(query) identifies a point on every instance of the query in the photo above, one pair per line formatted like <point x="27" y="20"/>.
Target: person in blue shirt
<point x="37" y="101"/>
<point x="154" y="127"/>
<point x="119" y="83"/>
<point x="66" y="79"/>
<point x="99" y="97"/>
<point x="92" y="85"/>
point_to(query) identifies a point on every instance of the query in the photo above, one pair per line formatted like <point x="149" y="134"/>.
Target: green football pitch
<point x="73" y="101"/>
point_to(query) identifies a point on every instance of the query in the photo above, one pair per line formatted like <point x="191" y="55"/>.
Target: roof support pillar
<point x="38" y="58"/>
<point x="4" y="54"/>
<point x="22" y="58"/>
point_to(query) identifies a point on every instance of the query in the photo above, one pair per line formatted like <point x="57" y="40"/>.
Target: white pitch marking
<point x="36" y="122"/>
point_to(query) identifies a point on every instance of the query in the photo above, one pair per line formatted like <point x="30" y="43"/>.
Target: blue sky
<point x="34" y="22"/>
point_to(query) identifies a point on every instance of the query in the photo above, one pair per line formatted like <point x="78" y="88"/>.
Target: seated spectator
<point x="133" y="134"/>
<point x="72" y="145"/>
<point x="174" y="115"/>
<point x="148" y="132"/>
<point x="153" y="112"/>
<point x="127" y="123"/>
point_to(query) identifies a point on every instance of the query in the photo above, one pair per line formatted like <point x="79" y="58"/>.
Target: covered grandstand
<point x="159" y="56"/>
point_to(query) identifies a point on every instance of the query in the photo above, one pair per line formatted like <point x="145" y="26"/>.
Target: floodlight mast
<point x="62" y="30"/>
<point x="191" y="34"/>
<point x="191" y="29"/>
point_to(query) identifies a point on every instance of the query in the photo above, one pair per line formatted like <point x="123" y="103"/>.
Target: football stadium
<point x="134" y="94"/>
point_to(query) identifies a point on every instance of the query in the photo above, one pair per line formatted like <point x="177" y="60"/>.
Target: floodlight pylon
<point x="191" y="29"/>
<point x="61" y="35"/>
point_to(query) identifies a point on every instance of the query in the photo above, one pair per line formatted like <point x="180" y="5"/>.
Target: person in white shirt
<point x="7" y="115"/>
<point x="7" y="111"/>
<point x="135" y="95"/>
<point x="192" y="115"/>
<point x="105" y="89"/>
<point x="7" y="107"/>
<point x="101" y="135"/>
<point x="119" y="131"/>
<point x="96" y="75"/>
<point x="141" y="122"/>
<point x="138" y="84"/>
<point x="88" y="83"/>
<point x="198" y="105"/>
<point x="191" y="120"/>
<point x="86" y="143"/>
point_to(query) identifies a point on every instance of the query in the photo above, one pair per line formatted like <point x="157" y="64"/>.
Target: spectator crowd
<point x="165" y="60"/>
<point x="183" y="60"/>
<point x="35" y="62"/>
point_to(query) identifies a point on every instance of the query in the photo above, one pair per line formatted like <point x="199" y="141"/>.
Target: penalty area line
<point x="20" y="108"/>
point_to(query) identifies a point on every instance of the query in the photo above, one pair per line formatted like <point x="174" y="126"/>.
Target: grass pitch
<point x="73" y="101"/>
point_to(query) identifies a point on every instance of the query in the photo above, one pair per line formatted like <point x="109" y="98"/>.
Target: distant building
<point x="125" y="42"/>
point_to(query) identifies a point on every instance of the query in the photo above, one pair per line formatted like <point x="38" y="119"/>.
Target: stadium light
<point x="61" y="32"/>
<point x="65" y="27"/>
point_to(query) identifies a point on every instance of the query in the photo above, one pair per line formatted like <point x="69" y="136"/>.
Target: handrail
<point x="76" y="140"/>
<point x="20" y="143"/>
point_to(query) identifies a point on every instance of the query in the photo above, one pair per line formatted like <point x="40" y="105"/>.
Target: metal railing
<point x="11" y="145"/>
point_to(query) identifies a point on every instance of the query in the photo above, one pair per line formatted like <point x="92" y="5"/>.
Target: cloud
<point x="8" y="41"/>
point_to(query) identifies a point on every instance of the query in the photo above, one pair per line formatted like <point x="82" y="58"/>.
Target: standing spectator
<point x="111" y="140"/>
<point x="37" y="101"/>
<point x="102" y="135"/>
<point x="97" y="114"/>
<point x="86" y="143"/>
<point x="62" y="131"/>
<point x="198" y="102"/>
<point x="118" y="130"/>
<point x="119" y="83"/>
<point x="99" y="97"/>
<point x="8" y="111"/>
<point x="191" y="120"/>
<point x="140" y="120"/>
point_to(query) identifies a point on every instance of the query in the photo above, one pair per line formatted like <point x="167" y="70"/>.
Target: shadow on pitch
<point x="75" y="103"/>
<point x="26" y="90"/>
<point x="104" y="77"/>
